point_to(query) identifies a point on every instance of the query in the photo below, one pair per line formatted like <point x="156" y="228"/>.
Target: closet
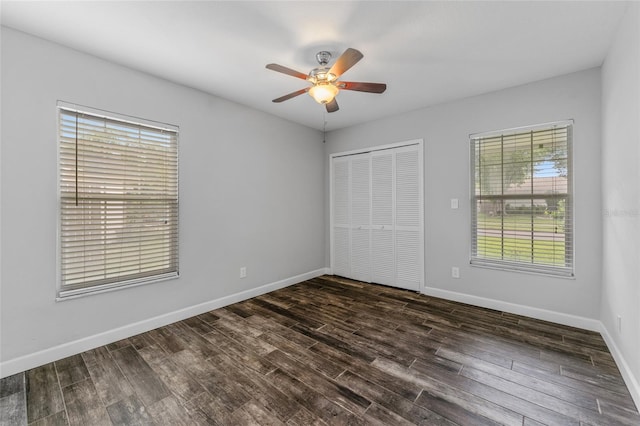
<point x="377" y="215"/>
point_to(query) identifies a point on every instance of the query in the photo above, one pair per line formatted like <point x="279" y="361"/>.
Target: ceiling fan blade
<point x="291" y="95"/>
<point x="285" y="70"/>
<point x="332" y="106"/>
<point x="348" y="59"/>
<point x="362" y="87"/>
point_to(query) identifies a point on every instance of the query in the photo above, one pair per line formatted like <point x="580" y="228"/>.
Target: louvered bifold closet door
<point x="408" y="216"/>
<point x="341" y="218"/>
<point x="383" y="269"/>
<point x="361" y="217"/>
<point x="377" y="230"/>
<point x="119" y="202"/>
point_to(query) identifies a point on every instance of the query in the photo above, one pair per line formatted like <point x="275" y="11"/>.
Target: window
<point x="521" y="190"/>
<point x="118" y="181"/>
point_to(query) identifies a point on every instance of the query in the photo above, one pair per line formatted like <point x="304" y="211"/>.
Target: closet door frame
<point x="414" y="142"/>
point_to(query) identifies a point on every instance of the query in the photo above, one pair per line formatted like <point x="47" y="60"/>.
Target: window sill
<point x="564" y="274"/>
<point x="65" y="295"/>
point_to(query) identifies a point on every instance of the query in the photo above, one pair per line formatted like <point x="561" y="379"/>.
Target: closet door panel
<point x="382" y="257"/>
<point x="341" y="202"/>
<point x="382" y="233"/>
<point x="341" y="217"/>
<point x="382" y="189"/>
<point x="408" y="260"/>
<point x="361" y="217"/>
<point x="341" y="252"/>
<point x="408" y="214"/>
<point x="360" y="255"/>
<point x="360" y="190"/>
<point x="408" y="197"/>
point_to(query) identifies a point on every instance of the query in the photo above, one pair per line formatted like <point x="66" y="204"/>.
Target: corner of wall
<point x="627" y="374"/>
<point x="620" y="110"/>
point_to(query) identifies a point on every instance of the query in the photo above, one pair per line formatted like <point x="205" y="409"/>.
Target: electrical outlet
<point x="243" y="272"/>
<point x="455" y="272"/>
<point x="454" y="203"/>
<point x="619" y="324"/>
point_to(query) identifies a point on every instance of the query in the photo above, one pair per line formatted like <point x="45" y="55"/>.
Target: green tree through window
<point x="521" y="193"/>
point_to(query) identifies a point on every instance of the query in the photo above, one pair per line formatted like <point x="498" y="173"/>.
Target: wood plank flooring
<point x="333" y="351"/>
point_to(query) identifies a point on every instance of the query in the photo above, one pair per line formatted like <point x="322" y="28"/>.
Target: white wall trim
<point x="629" y="379"/>
<point x="558" y="317"/>
<point x="514" y="308"/>
<point x="401" y="144"/>
<point x="26" y="362"/>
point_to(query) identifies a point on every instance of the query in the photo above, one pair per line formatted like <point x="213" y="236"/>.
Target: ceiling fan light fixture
<point x="325" y="81"/>
<point x="323" y="93"/>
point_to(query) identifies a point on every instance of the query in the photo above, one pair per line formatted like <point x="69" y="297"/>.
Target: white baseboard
<point x="26" y="362"/>
<point x="514" y="308"/>
<point x="571" y="320"/>
<point x="55" y="353"/>
<point x="629" y="379"/>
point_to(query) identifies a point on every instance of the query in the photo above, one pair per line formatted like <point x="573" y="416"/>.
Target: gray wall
<point x="621" y="191"/>
<point x="445" y="129"/>
<point x="251" y="190"/>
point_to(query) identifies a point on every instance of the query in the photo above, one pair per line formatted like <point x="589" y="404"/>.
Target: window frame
<point x="567" y="270"/>
<point x="64" y="293"/>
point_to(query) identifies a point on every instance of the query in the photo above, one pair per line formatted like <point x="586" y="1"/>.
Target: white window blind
<point x="521" y="188"/>
<point x="118" y="202"/>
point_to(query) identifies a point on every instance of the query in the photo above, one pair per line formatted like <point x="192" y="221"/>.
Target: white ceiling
<point x="426" y="52"/>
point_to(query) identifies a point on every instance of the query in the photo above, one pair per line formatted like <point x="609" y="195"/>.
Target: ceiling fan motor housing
<point x="321" y="75"/>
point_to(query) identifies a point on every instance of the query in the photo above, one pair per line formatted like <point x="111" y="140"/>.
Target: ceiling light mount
<point x="323" y="57"/>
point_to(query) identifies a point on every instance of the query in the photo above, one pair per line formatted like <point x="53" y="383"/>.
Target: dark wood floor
<point x="334" y="351"/>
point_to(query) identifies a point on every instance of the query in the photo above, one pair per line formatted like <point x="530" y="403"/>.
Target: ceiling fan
<point x="324" y="80"/>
